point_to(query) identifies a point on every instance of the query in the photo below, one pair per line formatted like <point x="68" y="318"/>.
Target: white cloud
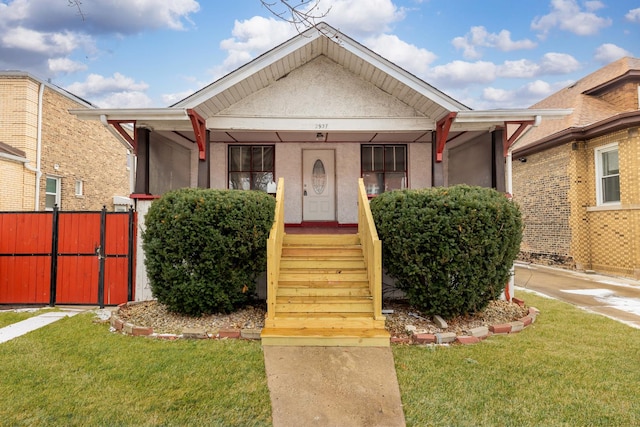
<point x="609" y="52"/>
<point x="558" y="63"/>
<point x="593" y="5"/>
<point x="633" y="15"/>
<point x="45" y="43"/>
<point x="362" y="17"/>
<point x="98" y="16"/>
<point x="36" y="34"/>
<point x="65" y="65"/>
<point x="172" y="98"/>
<point x="567" y="15"/>
<point x="521" y="97"/>
<point x="99" y="86"/>
<point x="479" y="37"/>
<point x="522" y="68"/>
<point x="125" y="99"/>
<point x="408" y="56"/>
<point x="250" y="38"/>
<point x="462" y="73"/>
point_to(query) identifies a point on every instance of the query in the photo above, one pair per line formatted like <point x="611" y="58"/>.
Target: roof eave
<point x="131" y="114"/>
<point x="594" y="130"/>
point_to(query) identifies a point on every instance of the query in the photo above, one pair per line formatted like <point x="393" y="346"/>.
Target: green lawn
<point x="570" y="368"/>
<point x="75" y="372"/>
<point x="9" y="317"/>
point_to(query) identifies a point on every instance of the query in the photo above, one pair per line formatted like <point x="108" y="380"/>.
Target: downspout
<point x="37" y="170"/>
<point x="510" y="291"/>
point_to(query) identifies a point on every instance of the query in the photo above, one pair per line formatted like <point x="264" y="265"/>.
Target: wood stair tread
<point x="323" y="295"/>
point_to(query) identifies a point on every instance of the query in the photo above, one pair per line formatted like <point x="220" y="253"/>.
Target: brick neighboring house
<point x="48" y="156"/>
<point x="578" y="179"/>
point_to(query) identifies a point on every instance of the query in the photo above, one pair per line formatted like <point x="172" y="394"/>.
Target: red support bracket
<point x="508" y="141"/>
<point x="117" y="124"/>
<point x="200" y="129"/>
<point x="442" y="133"/>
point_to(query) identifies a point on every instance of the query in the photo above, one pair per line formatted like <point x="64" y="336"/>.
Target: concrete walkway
<point x="614" y="297"/>
<point x="31" y="324"/>
<point x="333" y="386"/>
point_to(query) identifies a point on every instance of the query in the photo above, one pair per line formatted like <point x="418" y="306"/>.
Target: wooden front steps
<point x="323" y="296"/>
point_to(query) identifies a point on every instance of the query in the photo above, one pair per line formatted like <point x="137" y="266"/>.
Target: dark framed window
<point x="384" y="168"/>
<point x="251" y="167"/>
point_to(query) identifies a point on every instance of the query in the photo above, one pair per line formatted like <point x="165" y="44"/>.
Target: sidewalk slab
<point x="614" y="297"/>
<point x="333" y="386"/>
<point x="17" y="329"/>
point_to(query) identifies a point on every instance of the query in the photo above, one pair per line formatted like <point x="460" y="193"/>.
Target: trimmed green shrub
<point x="449" y="249"/>
<point x="204" y="248"/>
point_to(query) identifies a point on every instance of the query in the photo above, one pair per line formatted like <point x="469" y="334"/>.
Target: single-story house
<point x="578" y="179"/>
<point x="321" y="111"/>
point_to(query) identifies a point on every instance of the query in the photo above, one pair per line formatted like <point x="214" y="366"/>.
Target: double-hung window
<point x="607" y="175"/>
<point x="384" y="168"/>
<point x="251" y="167"/>
<point x="52" y="192"/>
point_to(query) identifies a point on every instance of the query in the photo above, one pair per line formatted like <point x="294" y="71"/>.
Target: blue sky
<point x="152" y="53"/>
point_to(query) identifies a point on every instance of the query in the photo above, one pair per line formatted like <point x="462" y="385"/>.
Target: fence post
<point x="101" y="255"/>
<point x="130" y="251"/>
<point x="53" y="279"/>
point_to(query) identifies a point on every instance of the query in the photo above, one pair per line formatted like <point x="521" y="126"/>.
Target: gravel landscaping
<point x="401" y="323"/>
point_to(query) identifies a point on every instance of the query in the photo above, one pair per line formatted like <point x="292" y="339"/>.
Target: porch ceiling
<point x="330" y="137"/>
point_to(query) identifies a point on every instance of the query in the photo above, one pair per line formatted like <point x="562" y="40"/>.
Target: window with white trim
<point x="79" y="188"/>
<point x="607" y="175"/>
<point x="384" y="168"/>
<point x="52" y="192"/>
<point x="251" y="167"/>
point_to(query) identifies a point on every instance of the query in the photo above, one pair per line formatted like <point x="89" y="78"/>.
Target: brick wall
<point x="606" y="238"/>
<point x="73" y="149"/>
<point x="624" y="96"/>
<point x="541" y="187"/>
<point x="18" y="128"/>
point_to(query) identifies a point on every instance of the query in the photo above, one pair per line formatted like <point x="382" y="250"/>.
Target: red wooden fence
<point x="67" y="257"/>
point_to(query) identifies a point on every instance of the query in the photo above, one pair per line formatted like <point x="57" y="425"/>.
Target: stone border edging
<point x="474" y="336"/>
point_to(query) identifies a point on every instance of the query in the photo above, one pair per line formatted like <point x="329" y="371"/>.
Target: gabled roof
<point x="589" y="110"/>
<point x="302" y="49"/>
<point x="213" y="106"/>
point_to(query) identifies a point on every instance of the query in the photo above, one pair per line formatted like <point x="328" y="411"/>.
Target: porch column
<point x="437" y="168"/>
<point x="142" y="164"/>
<point x="204" y="166"/>
<point x="497" y="166"/>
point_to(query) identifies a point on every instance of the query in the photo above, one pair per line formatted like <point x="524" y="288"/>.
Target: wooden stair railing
<point x="274" y="251"/>
<point x="371" y="248"/>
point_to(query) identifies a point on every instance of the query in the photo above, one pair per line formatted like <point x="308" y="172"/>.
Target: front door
<point x="318" y="185"/>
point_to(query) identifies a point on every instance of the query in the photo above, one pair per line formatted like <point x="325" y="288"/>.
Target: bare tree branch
<point x="302" y="14"/>
<point x="77" y="4"/>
